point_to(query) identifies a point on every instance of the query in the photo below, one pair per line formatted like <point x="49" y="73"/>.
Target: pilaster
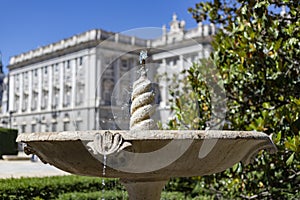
<point x="74" y="64"/>
<point x="39" y="103"/>
<point x="21" y="86"/>
<point x="50" y="87"/>
<point x="11" y="92"/>
<point x="29" y="90"/>
<point x="61" y="85"/>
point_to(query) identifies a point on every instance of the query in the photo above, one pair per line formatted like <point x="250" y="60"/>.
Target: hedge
<point x="115" y="195"/>
<point x="87" y="188"/>
<point x="107" y="195"/>
<point x="52" y="187"/>
<point x="8" y="144"/>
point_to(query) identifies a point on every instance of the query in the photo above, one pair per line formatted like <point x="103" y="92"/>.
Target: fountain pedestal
<point x="144" y="189"/>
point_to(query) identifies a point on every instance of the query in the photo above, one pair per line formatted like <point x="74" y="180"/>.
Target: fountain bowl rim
<point x="143" y="135"/>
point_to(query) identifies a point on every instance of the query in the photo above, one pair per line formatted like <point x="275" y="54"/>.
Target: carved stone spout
<point x="107" y="143"/>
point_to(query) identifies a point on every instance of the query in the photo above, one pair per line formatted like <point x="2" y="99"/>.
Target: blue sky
<point x="26" y="25"/>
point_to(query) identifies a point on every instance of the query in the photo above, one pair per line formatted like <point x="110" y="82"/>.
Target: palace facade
<point x="84" y="82"/>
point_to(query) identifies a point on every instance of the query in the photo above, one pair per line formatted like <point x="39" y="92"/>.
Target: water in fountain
<point x="104" y="164"/>
<point x="103" y="173"/>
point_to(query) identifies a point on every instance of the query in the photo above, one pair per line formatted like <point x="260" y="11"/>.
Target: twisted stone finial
<point x="142" y="107"/>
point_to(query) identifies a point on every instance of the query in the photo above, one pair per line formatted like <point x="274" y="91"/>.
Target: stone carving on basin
<point x="107" y="143"/>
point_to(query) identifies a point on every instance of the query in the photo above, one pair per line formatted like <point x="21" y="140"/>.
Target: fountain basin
<point x="70" y="151"/>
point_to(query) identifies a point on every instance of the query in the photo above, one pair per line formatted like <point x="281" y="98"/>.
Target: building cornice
<point x="76" y="43"/>
<point x="202" y="35"/>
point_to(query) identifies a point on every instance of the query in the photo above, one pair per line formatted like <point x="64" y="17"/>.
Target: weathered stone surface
<point x="69" y="151"/>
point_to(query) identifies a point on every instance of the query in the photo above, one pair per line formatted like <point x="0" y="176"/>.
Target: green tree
<point x="257" y="54"/>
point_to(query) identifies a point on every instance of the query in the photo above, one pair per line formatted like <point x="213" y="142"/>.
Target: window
<point x="25" y="76"/>
<point x="33" y="128"/>
<point x="17" y="78"/>
<point x="56" y="67"/>
<point x="68" y="64"/>
<point x="17" y="83"/>
<point x="67" y="97"/>
<point x="66" y="126"/>
<point x="34" y="100"/>
<point x="79" y="94"/>
<point x="17" y="102"/>
<point x="35" y="72"/>
<point x="66" y="122"/>
<point x="45" y="70"/>
<point x="108" y="85"/>
<point x="25" y="81"/>
<point x="78" y="125"/>
<point x="54" y="127"/>
<point x="107" y="98"/>
<point x="67" y="74"/>
<point x="124" y="64"/>
<point x="79" y="74"/>
<point x="55" y="98"/>
<point x="44" y="99"/>
<point x="25" y="102"/>
<point x="23" y="128"/>
<point x="80" y="61"/>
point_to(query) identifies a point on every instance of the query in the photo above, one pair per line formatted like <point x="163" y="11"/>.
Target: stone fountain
<point x="142" y="157"/>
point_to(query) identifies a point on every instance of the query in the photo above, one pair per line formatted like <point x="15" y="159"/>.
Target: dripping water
<point x="103" y="174"/>
<point x="104" y="165"/>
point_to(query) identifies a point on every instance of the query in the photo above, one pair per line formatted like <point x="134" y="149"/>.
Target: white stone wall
<point x="49" y="94"/>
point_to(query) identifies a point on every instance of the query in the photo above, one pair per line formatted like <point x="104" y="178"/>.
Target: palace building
<point x="83" y="82"/>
